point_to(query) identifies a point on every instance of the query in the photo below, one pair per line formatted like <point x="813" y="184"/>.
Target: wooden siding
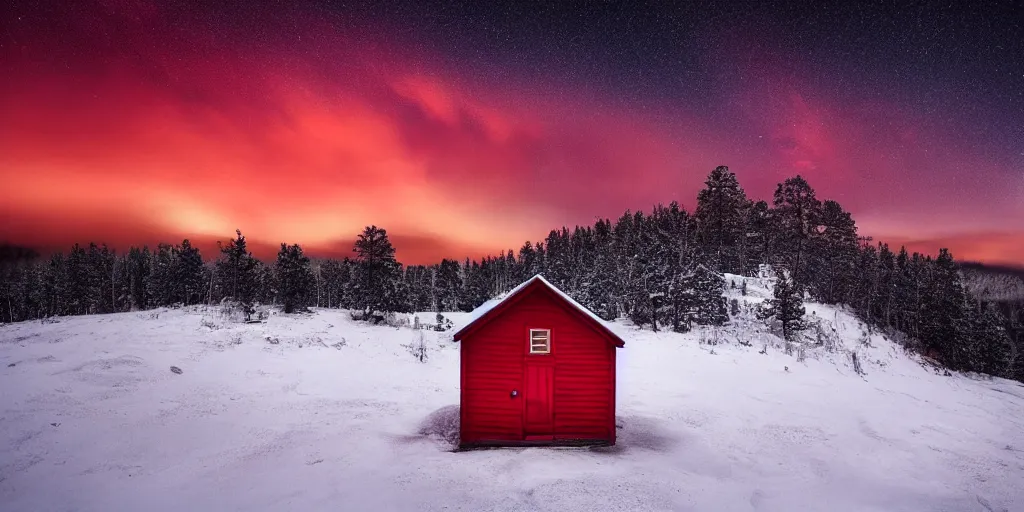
<point x="494" y="360"/>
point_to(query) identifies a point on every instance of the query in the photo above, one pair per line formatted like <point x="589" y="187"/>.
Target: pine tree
<point x="511" y="278"/>
<point x="76" y="275"/>
<point x="189" y="274"/>
<point x="16" y="275"/>
<point x="55" y="284"/>
<point x="866" y="286"/>
<point x="294" y="278"/>
<point x="476" y="289"/>
<point x="335" y="277"/>
<point x="239" y="274"/>
<point x="945" y="325"/>
<point x="600" y="291"/>
<point x="397" y="294"/>
<point x="710" y="301"/>
<point x="448" y="286"/>
<point x="99" y="279"/>
<point x="526" y="262"/>
<point x="417" y="279"/>
<point x="672" y="257"/>
<point x="683" y="296"/>
<point x="558" y="268"/>
<point x="265" y="284"/>
<point x="377" y="272"/>
<point x="993" y="347"/>
<point x="902" y="293"/>
<point x="625" y="249"/>
<point x="885" y="273"/>
<point x="834" y="254"/>
<point x="761" y="235"/>
<point x="1016" y="371"/>
<point x="721" y="221"/>
<point x="798" y="214"/>
<point x="346" y="283"/>
<point x="786" y="307"/>
<point x="540" y="261"/>
<point x="35" y="293"/>
<point x="161" y="279"/>
<point x="122" y="284"/>
<point x="138" y="274"/>
<point x="648" y="281"/>
<point x="583" y="256"/>
<point x="11" y="291"/>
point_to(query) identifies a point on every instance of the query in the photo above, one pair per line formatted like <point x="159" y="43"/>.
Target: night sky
<point x="465" y="129"/>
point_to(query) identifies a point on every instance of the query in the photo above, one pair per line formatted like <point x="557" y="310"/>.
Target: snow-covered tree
<point x="945" y="325"/>
<point x="786" y="307"/>
<point x="708" y="293"/>
<point x="559" y="267"/>
<point x="993" y="347"/>
<point x="377" y="272"/>
<point x="100" y="279"/>
<point x="190" y="274"/>
<point x="294" y="278"/>
<point x="138" y="273"/>
<point x="448" y="286"/>
<point x="419" y="282"/>
<point x="834" y="254"/>
<point x="797" y="212"/>
<point x="18" y="278"/>
<point x="761" y="235"/>
<point x="475" y="289"/>
<point x="334" y="275"/>
<point x="721" y="221"/>
<point x="239" y="274"/>
<point x="600" y="291"/>
<point x="55" y="283"/>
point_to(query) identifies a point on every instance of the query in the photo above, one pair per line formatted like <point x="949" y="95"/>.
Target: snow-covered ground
<point x="316" y="412"/>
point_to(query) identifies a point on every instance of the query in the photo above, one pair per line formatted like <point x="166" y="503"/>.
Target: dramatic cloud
<point x="131" y="123"/>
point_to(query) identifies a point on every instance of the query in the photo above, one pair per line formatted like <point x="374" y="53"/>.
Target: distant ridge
<point x="1011" y="270"/>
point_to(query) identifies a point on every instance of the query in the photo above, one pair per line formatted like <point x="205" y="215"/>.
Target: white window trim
<point x="547" y="349"/>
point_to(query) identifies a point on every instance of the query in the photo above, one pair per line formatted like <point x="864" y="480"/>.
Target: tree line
<point x="662" y="269"/>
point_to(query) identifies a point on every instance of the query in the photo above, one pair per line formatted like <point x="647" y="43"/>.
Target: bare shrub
<point x="443" y="324"/>
<point x="822" y="335"/>
<point x="418" y="348"/>
<point x="397" y="320"/>
<point x="235" y="312"/>
<point x="856" y="363"/>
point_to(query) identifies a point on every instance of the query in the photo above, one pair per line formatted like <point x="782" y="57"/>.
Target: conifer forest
<point x="661" y="269"/>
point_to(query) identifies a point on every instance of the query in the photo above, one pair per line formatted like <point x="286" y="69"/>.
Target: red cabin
<point x="537" y="368"/>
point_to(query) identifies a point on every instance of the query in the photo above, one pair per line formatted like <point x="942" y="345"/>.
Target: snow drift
<point x="314" y="411"/>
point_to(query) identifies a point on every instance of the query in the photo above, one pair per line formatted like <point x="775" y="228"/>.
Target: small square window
<point x="540" y="341"/>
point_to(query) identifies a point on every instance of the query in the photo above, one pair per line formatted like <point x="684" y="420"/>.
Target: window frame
<point x="547" y="345"/>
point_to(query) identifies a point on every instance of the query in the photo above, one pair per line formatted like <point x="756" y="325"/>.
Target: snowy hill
<point x="317" y="412"/>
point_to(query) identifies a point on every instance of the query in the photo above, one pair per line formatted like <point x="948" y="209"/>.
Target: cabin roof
<point x="490" y="309"/>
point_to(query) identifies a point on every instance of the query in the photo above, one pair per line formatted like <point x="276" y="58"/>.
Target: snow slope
<point x="316" y="412"/>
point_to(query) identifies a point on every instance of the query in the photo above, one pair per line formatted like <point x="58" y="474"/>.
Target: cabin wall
<point x="493" y="364"/>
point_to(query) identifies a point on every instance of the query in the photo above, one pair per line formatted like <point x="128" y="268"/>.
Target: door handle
<point x="514" y="393"/>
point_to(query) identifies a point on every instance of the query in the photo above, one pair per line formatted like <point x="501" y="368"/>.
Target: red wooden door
<point x="539" y="407"/>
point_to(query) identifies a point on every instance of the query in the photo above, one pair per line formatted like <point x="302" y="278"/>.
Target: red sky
<point x="117" y="126"/>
